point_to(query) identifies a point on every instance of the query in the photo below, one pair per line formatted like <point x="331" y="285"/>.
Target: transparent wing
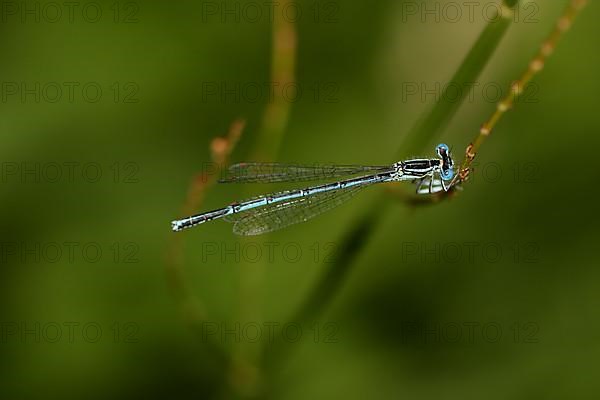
<point x="278" y="172"/>
<point x="429" y="185"/>
<point x="279" y="215"/>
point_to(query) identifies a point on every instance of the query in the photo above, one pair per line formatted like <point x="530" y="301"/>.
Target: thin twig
<point x="283" y="72"/>
<point x="221" y="147"/>
<point x="535" y="66"/>
<point x="245" y="373"/>
<point x="433" y="122"/>
<point x="517" y="88"/>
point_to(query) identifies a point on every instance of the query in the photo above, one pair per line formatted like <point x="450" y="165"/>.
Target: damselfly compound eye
<point x="447" y="174"/>
<point x="442" y="149"/>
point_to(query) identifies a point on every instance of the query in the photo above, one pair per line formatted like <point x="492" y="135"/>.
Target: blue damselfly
<point x="277" y="210"/>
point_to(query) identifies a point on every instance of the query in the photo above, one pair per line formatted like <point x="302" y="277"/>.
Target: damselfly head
<point x="447" y="169"/>
<point x="443" y="150"/>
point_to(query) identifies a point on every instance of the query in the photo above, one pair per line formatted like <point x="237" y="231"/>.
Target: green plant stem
<point x="518" y="87"/>
<point x="432" y="124"/>
<point x="247" y="357"/>
<point x="283" y="70"/>
<point x="327" y="287"/>
<point x="357" y="238"/>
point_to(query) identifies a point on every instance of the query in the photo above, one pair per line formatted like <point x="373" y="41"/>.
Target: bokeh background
<point x="493" y="294"/>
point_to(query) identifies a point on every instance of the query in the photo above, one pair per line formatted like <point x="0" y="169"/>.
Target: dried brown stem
<point x="245" y="372"/>
<point x="221" y="148"/>
<point x="535" y="66"/>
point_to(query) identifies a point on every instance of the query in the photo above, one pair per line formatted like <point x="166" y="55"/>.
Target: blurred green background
<point x="491" y="295"/>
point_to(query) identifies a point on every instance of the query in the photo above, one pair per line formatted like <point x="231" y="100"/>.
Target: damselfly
<point x="277" y="210"/>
